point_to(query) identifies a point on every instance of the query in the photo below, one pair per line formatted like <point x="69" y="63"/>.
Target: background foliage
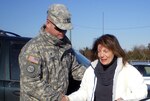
<point x="141" y="53"/>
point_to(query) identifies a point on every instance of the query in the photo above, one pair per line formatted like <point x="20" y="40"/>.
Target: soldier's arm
<point x="77" y="69"/>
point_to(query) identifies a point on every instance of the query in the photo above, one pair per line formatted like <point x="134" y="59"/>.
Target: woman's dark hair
<point x="109" y="41"/>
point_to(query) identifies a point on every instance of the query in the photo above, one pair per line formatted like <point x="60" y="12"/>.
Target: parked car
<point x="144" y="69"/>
<point x="10" y="46"/>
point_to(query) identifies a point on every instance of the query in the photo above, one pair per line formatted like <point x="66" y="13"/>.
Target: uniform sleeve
<point x="77" y="69"/>
<point x="32" y="80"/>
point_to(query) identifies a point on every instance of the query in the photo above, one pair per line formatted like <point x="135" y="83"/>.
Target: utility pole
<point x="103" y="23"/>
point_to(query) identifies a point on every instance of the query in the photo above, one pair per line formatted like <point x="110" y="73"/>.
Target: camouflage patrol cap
<point x="60" y="16"/>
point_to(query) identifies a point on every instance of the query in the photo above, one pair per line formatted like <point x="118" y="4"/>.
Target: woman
<point x="110" y="77"/>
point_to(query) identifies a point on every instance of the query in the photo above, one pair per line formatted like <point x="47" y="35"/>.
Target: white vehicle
<point x="144" y="68"/>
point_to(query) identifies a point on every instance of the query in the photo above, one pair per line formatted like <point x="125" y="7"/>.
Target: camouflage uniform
<point x="45" y="63"/>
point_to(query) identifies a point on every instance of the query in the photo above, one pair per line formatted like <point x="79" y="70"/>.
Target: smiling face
<point x="105" y="55"/>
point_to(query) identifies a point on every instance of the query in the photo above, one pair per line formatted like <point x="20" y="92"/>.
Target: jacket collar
<point x="65" y="42"/>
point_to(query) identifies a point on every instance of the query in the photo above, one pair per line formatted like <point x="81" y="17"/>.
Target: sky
<point x="128" y="20"/>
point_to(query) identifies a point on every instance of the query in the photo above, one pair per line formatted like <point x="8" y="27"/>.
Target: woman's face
<point x="105" y="55"/>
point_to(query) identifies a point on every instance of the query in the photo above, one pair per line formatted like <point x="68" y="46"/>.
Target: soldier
<point x="47" y="60"/>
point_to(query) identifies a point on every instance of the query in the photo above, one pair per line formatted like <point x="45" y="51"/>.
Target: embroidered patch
<point x="33" y="59"/>
<point x="30" y="69"/>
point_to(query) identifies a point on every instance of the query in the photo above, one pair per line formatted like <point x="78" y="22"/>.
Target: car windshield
<point x="143" y="69"/>
<point x="82" y="59"/>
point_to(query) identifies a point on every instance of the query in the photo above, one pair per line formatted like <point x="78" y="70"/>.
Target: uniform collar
<point x="54" y="40"/>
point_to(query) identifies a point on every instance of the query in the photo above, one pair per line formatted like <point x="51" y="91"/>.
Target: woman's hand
<point x="119" y="99"/>
<point x="64" y="98"/>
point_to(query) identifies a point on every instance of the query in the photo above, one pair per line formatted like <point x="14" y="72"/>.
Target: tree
<point x="137" y="53"/>
<point x="148" y="46"/>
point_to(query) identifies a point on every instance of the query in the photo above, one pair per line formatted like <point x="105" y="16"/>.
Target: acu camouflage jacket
<point x="45" y="65"/>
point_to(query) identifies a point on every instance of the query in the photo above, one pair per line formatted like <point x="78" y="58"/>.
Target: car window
<point x="1" y="75"/>
<point x="143" y="69"/>
<point x="0" y="48"/>
<point x="147" y="69"/>
<point x="15" y="48"/>
<point x="0" y="51"/>
<point x="82" y="59"/>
